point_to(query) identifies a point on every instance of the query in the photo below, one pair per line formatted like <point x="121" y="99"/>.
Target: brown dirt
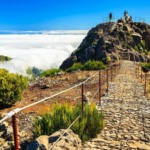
<point x="58" y="83"/>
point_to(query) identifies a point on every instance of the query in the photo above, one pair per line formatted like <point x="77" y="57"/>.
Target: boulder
<point x="137" y="38"/>
<point x="6" y="131"/>
<point x="146" y="37"/>
<point x="86" y="98"/>
<point x="4" y="126"/>
<point x="121" y="34"/>
<point x="41" y="143"/>
<point x="89" y="53"/>
<point x="142" y="26"/>
<point x="44" y="83"/>
<point x="138" y="31"/>
<point x="127" y="28"/>
<point x="6" y="136"/>
<point x="68" y="62"/>
<point x="69" y="141"/>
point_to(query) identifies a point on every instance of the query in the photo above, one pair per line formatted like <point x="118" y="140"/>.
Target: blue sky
<point x="66" y="14"/>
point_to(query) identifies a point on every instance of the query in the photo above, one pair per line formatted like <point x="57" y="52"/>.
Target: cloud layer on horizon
<point x="43" y="51"/>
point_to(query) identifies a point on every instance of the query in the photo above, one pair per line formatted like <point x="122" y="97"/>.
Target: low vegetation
<point x="11" y="87"/>
<point x="4" y="58"/>
<point x="50" y="72"/>
<point x="75" y="67"/>
<point x="89" y="65"/>
<point x="145" y="67"/>
<point x="61" y="116"/>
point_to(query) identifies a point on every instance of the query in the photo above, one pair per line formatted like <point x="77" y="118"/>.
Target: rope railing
<point x="11" y="113"/>
<point x="84" y="109"/>
<point x="72" y="123"/>
<point x="139" y="72"/>
<point x="17" y="110"/>
<point x="65" y="131"/>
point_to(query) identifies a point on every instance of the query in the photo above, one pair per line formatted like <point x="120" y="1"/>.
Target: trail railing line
<point x="14" y="112"/>
<point x="52" y="146"/>
<point x="139" y="73"/>
<point x="11" y="113"/>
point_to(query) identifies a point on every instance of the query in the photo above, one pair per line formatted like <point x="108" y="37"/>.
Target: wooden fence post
<point x="145" y="85"/>
<point x="107" y="79"/>
<point x="111" y="73"/>
<point x="100" y="88"/>
<point x="82" y="90"/>
<point x="16" y="132"/>
<point x="141" y="75"/>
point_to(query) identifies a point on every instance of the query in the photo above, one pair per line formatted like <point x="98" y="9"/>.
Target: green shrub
<point x="50" y="72"/>
<point x="138" y="48"/>
<point x="4" y="58"/>
<point x="11" y="87"/>
<point x="143" y="44"/>
<point x="126" y="45"/>
<point x="89" y="65"/>
<point x="145" y="67"/>
<point x="74" y="67"/>
<point x="108" y="59"/>
<point x="146" y="52"/>
<point x="94" y="65"/>
<point x="90" y="124"/>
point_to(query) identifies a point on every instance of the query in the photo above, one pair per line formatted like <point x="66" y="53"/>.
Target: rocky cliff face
<point x="109" y="41"/>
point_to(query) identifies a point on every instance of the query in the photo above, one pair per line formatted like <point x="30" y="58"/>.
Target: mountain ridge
<point x="108" y="41"/>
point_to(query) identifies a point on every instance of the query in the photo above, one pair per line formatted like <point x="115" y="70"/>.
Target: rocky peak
<point x="109" y="40"/>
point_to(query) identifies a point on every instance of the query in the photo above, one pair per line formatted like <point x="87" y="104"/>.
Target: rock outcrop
<point x="69" y="141"/>
<point x="44" y="83"/>
<point x="110" y="40"/>
<point x="6" y="136"/>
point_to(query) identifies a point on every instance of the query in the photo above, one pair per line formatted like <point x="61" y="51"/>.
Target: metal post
<point x="100" y="88"/>
<point x="141" y="75"/>
<point x="82" y="98"/>
<point x="145" y="86"/>
<point x="138" y="71"/>
<point x="111" y="74"/>
<point x="107" y="79"/>
<point x="16" y="132"/>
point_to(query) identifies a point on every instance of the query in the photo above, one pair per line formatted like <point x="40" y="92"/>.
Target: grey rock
<point x="68" y="141"/>
<point x="137" y="38"/>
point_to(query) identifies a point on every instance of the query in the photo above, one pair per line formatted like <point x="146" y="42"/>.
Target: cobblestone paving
<point x="127" y="114"/>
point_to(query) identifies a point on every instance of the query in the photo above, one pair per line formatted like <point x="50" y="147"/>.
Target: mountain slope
<point x="108" y="41"/>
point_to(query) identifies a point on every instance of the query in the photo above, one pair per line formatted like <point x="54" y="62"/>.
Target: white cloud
<point x="41" y="50"/>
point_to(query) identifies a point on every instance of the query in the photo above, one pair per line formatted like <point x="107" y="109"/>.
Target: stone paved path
<point x="127" y="115"/>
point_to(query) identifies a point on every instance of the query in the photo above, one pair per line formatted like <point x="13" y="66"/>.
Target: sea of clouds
<point x="42" y="49"/>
